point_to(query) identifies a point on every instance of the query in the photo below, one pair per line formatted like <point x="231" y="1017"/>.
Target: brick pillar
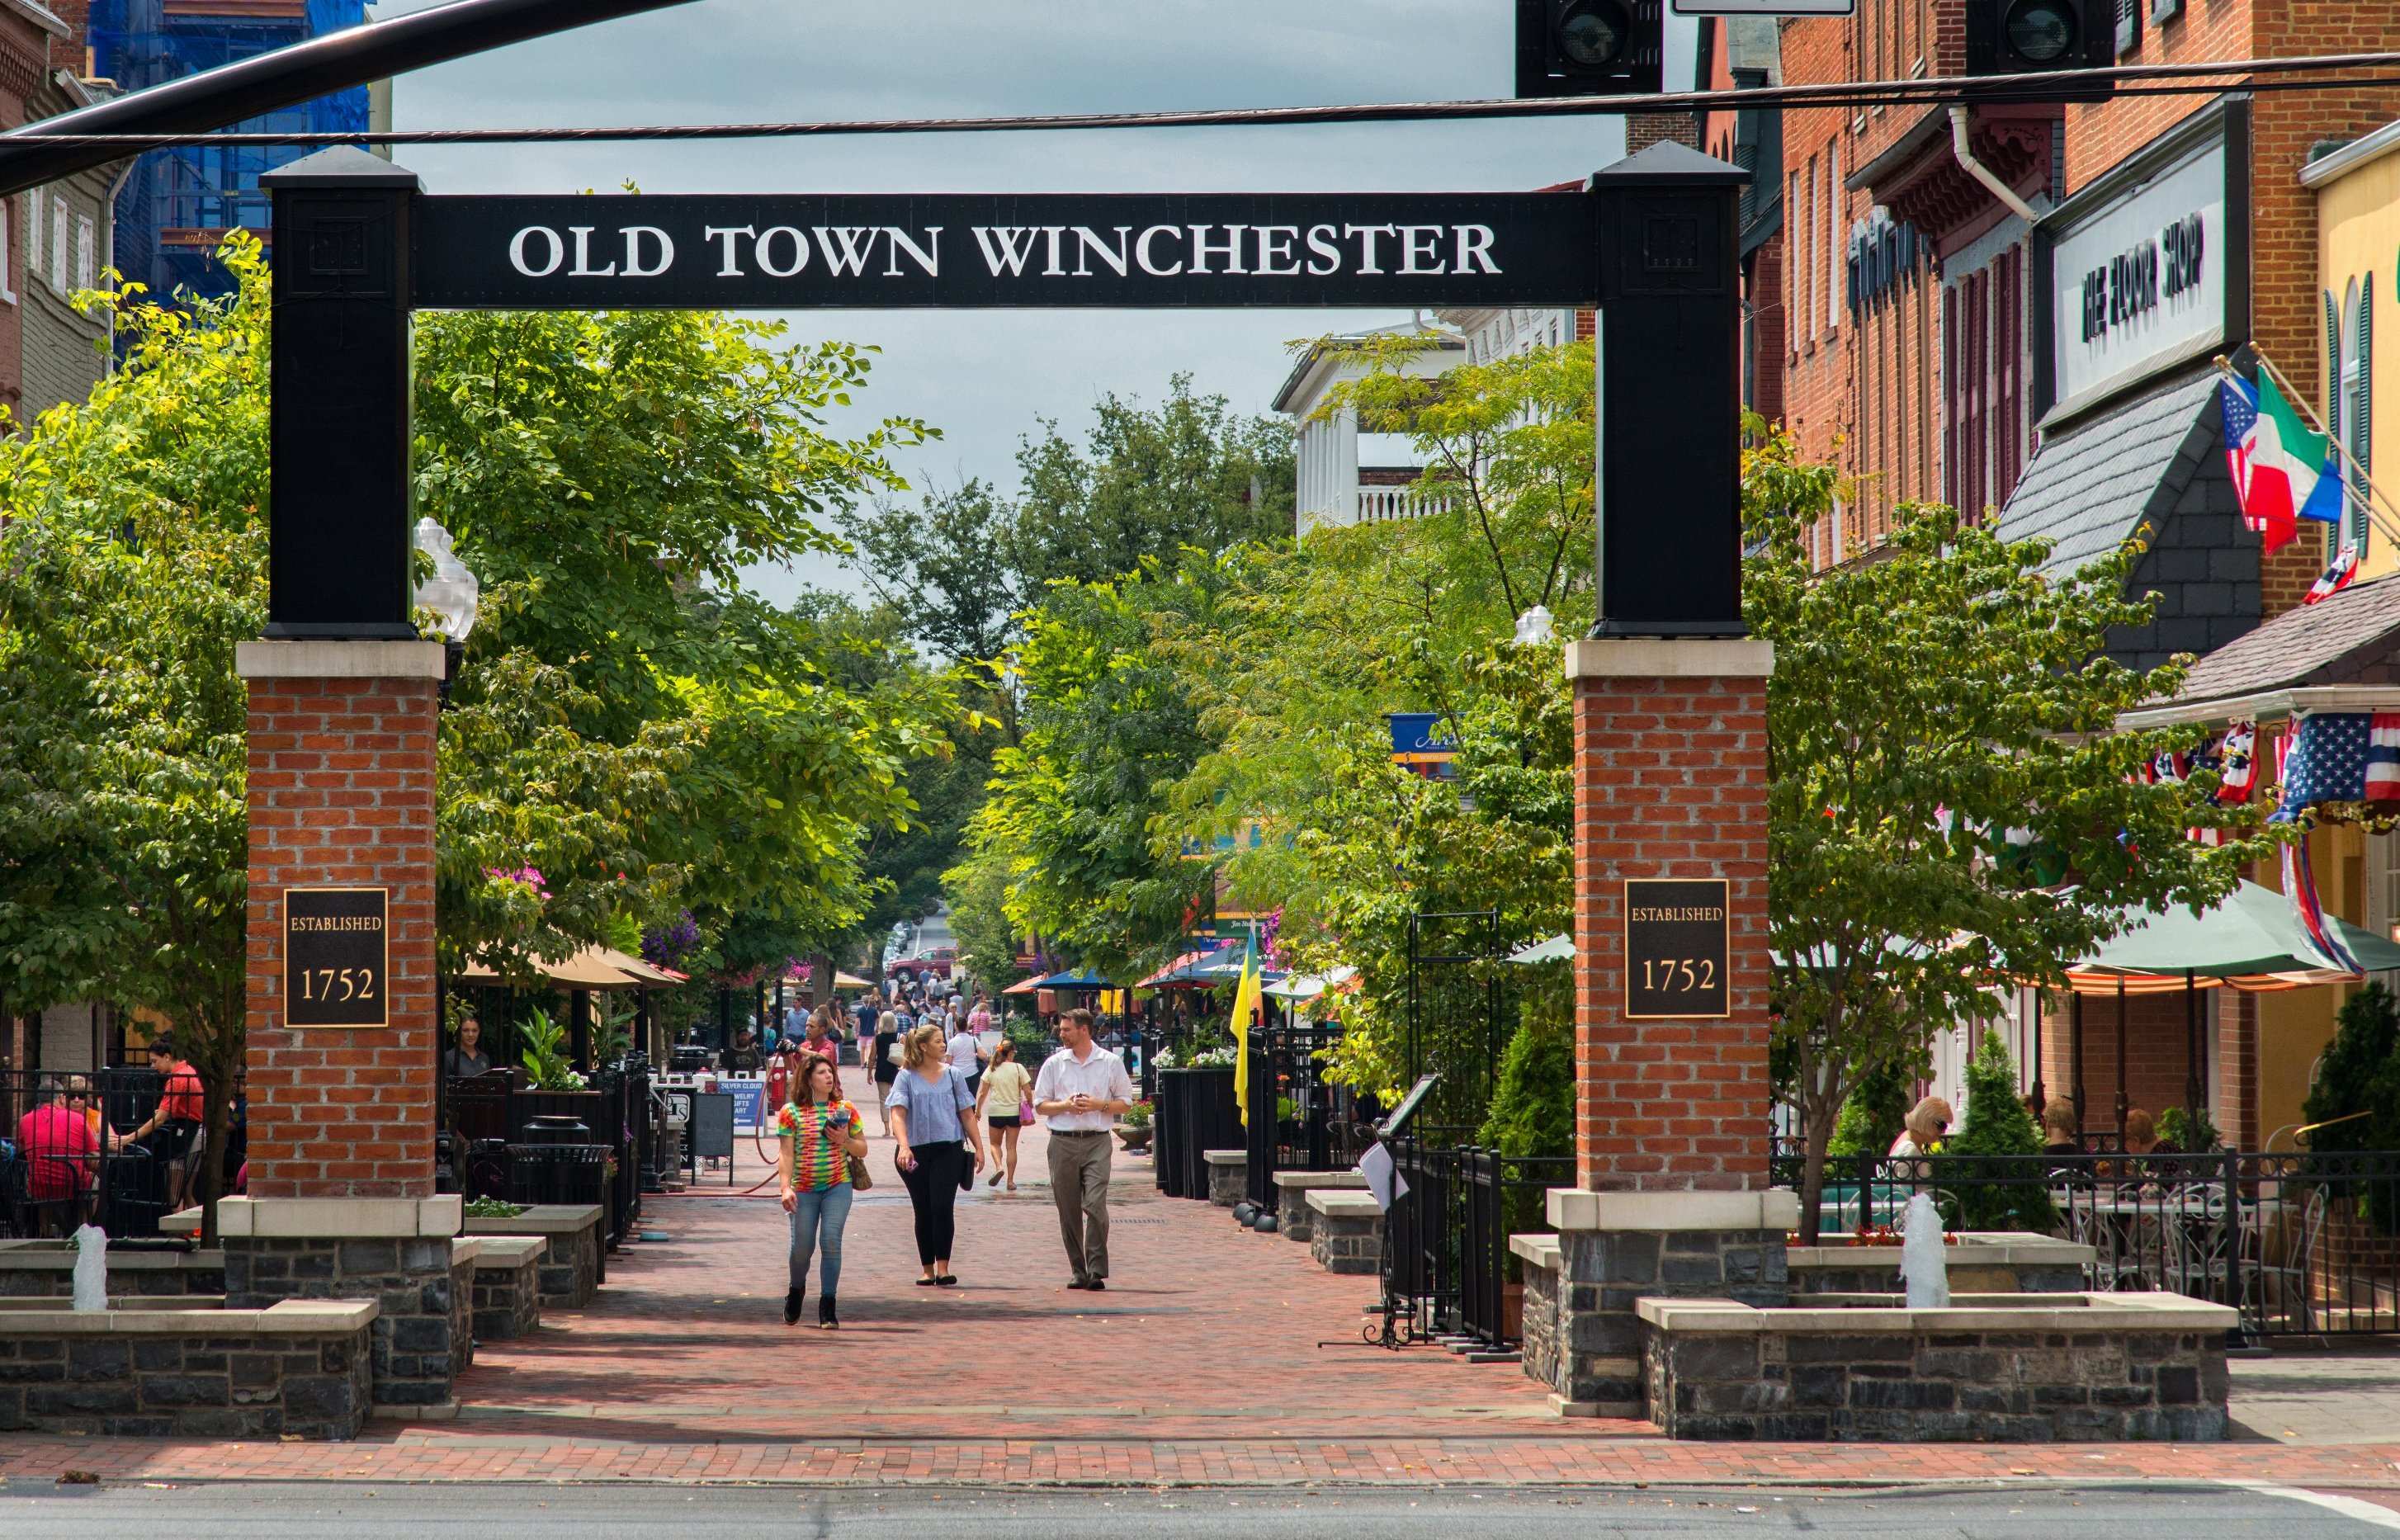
<point x="341" y="1202"/>
<point x="341" y="795"/>
<point x="1671" y="780"/>
<point x="1671" y="1116"/>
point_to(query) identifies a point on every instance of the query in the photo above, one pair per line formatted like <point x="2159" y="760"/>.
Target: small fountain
<point x="91" y="1268"/>
<point x="1924" y="1256"/>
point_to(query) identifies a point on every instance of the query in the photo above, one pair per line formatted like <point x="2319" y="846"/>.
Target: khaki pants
<point x="1079" y="1182"/>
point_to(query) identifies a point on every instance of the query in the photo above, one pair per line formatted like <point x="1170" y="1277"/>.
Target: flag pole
<point x="2292" y="393"/>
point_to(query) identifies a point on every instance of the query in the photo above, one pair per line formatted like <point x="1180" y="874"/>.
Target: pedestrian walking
<point x="818" y="1133"/>
<point x="890" y="1045"/>
<point x="966" y="1054"/>
<point x="1002" y="1104"/>
<point x="1080" y="1091"/>
<point x="930" y="1104"/>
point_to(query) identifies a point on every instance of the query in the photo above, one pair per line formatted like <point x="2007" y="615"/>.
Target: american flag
<point x="2341" y="757"/>
<point x="2340" y="574"/>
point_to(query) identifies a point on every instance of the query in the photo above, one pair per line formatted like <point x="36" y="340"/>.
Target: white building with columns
<point x="1333" y="487"/>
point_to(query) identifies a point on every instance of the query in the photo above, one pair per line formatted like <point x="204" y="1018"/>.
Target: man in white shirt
<point x="1079" y="1092"/>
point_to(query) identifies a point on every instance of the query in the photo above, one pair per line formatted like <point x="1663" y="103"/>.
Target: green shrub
<point x="1532" y="1108"/>
<point x="1875" y="1112"/>
<point x="1997" y="1123"/>
<point x="2359" y="1072"/>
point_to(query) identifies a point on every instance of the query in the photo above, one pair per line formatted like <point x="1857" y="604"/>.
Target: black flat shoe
<point x="1081" y="1283"/>
<point x="946" y="1280"/>
<point x="927" y="1282"/>
<point x="1097" y="1285"/>
<point x="792" y="1306"/>
<point x="825" y="1316"/>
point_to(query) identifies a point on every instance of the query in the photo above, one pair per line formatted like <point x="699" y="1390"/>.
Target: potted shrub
<point x="1134" y="1126"/>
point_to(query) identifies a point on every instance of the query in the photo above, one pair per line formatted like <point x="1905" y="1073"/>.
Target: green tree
<point x="1145" y="484"/>
<point x="1929" y="713"/>
<point x="131" y="562"/>
<point x="942" y="569"/>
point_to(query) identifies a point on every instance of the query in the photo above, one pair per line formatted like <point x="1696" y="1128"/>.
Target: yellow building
<point x="2357" y="190"/>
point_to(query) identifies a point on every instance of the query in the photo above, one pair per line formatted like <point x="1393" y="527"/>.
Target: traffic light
<point x="2035" y="36"/>
<point x="1589" y="48"/>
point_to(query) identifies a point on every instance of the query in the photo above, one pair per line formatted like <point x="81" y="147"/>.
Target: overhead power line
<point x="2310" y="72"/>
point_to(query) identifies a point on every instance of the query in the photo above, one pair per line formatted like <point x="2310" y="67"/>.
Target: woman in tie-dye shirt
<point x="817" y="1132"/>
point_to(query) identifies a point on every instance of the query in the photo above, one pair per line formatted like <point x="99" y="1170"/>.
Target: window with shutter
<point x="85" y="275"/>
<point x="2362" y="414"/>
<point x="1954" y="491"/>
<point x="59" y="245"/>
<point x="35" y="218"/>
<point x="7" y="295"/>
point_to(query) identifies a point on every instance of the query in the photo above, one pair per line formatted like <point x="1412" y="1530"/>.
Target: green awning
<point x="2254" y="931"/>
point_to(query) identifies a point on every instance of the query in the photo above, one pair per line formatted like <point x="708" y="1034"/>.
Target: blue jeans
<point x="824" y="1211"/>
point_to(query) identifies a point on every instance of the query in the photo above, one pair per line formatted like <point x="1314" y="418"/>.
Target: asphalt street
<point x="36" y="1511"/>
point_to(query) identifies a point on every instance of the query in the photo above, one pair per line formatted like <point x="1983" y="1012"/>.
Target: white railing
<point x="1379" y="503"/>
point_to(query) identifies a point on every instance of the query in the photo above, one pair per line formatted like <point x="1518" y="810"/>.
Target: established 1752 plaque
<point x="335" y="957"/>
<point x="1676" y="938"/>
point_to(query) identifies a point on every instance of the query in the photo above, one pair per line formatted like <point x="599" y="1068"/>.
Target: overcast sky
<point x="982" y="377"/>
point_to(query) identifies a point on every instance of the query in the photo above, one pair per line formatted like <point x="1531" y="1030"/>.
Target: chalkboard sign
<point x="1676" y="942"/>
<point x="711" y="1134"/>
<point x="335" y="957"/>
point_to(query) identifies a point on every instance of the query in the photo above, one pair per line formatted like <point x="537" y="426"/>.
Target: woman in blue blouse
<point x="930" y="1103"/>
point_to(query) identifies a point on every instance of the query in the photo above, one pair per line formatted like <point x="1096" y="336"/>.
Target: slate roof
<point x="2350" y="637"/>
<point x="2090" y="486"/>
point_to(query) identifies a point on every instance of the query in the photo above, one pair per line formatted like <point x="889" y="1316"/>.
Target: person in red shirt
<point x="56" y="1143"/>
<point x="179" y="1120"/>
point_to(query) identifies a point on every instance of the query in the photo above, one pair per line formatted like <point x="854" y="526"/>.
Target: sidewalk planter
<point x="573" y="1263"/>
<point x="1195" y="1112"/>
<point x="45" y="1269"/>
<point x="300" y="1368"/>
<point x="1984" y="1261"/>
<point x="1228" y="1175"/>
<point x="1293" y="1187"/>
<point x="508" y="1285"/>
<point x="1345" y="1231"/>
<point x="2012" y="1367"/>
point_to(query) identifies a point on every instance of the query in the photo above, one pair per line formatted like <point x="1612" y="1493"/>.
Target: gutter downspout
<point x="1983" y="173"/>
<point x="108" y="244"/>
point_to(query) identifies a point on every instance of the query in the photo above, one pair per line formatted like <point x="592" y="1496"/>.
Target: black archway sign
<point x="1649" y="242"/>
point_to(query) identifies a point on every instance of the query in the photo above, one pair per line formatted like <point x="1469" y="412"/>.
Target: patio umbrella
<point x="1558" y="949"/>
<point x="1310" y="986"/>
<point x="2251" y="941"/>
<point x="1077" y="979"/>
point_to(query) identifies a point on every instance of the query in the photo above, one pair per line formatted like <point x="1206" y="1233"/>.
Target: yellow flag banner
<point x="1245" y="1000"/>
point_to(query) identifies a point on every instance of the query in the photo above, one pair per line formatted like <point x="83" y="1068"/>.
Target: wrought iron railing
<point x="1447" y="1267"/>
<point x="2300" y="1243"/>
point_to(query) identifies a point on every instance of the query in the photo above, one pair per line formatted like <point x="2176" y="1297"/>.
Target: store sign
<point x="1045" y="250"/>
<point x="336" y="956"/>
<point x="1678" y="939"/>
<point x="2141" y="285"/>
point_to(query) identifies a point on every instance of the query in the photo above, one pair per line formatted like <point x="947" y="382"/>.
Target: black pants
<point x="934" y="1193"/>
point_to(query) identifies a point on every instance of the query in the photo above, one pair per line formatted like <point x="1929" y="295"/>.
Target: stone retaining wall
<point x="420" y="1343"/>
<point x="298" y="1369"/>
<point x="35" y="1269"/>
<point x="2107" y="1366"/>
<point x="573" y="1264"/>
<point x="508" y="1287"/>
<point x="1229" y="1176"/>
<point x="1296" y="1219"/>
<point x="1982" y="1262"/>
<point x="1346" y="1231"/>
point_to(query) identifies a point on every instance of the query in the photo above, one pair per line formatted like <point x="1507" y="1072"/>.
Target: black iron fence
<point x="2301" y="1243"/>
<point x="1298" y="1120"/>
<point x="68" y="1157"/>
<point x="494" y="1150"/>
<point x="1447" y="1268"/>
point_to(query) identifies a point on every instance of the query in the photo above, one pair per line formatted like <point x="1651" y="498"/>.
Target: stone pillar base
<point x="399" y="1252"/>
<point x="1614" y="1249"/>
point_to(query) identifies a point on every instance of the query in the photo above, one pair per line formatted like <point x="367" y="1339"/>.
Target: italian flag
<point x="2281" y="471"/>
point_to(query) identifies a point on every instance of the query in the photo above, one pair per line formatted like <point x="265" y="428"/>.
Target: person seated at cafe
<point x="60" y="1151"/>
<point x="2142" y="1135"/>
<point x="2062" y="1127"/>
<point x="1923" y="1131"/>
<point x="174" y="1130"/>
<point x="467" y="1055"/>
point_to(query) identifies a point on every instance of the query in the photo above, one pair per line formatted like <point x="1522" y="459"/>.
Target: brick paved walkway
<point x="1200" y="1364"/>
